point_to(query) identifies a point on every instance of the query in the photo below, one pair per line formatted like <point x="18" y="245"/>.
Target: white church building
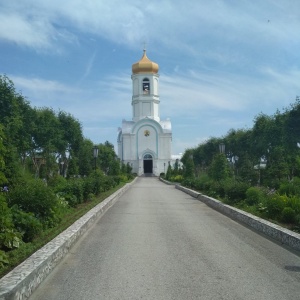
<point x="145" y="142"/>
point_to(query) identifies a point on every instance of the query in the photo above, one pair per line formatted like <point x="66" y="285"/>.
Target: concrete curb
<point x="166" y="181"/>
<point x="284" y="236"/>
<point x="25" y="278"/>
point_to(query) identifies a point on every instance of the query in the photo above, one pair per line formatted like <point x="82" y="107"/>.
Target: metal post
<point x="95" y="152"/>
<point x="222" y="148"/>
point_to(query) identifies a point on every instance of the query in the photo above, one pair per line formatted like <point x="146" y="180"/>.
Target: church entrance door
<point x="148" y="164"/>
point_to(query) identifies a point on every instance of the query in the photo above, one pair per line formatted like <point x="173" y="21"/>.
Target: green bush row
<point x="33" y="206"/>
<point x="282" y="205"/>
<point x="231" y="190"/>
<point x="273" y="205"/>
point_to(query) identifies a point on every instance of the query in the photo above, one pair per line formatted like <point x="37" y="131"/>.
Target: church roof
<point x="127" y="126"/>
<point x="166" y="126"/>
<point x="145" y="65"/>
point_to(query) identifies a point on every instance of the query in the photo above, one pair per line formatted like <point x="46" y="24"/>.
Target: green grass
<point x="20" y="254"/>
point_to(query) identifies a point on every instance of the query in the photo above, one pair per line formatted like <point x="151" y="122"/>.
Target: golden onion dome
<point x="145" y="65"/>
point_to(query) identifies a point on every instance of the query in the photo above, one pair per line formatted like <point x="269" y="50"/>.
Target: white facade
<point x="145" y="142"/>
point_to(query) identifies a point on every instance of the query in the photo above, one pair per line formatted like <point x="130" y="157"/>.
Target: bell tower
<point x="145" y="142"/>
<point x="145" y="82"/>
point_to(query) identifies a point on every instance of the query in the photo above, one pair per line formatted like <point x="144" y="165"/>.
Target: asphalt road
<point x="157" y="242"/>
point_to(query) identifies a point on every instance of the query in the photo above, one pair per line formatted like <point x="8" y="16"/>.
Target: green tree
<point x="169" y="172"/>
<point x="203" y="155"/>
<point x="86" y="159"/>
<point x="292" y="125"/>
<point x="70" y="143"/>
<point x="291" y="136"/>
<point x="219" y="169"/>
<point x="277" y="167"/>
<point x="2" y="163"/>
<point x="188" y="163"/>
<point x="16" y="118"/>
<point x="176" y="168"/>
<point x="262" y="135"/>
<point x="108" y="161"/>
<point x="128" y="169"/>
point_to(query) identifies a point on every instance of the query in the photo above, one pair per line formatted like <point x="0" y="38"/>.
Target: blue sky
<point x="221" y="62"/>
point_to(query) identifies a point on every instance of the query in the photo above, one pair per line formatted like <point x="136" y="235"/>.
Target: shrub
<point x="274" y="204"/>
<point x="74" y="187"/>
<point x="3" y="259"/>
<point x="206" y="183"/>
<point x="57" y="183"/>
<point x="97" y="179"/>
<point x="9" y="237"/>
<point x="288" y="215"/>
<point x="5" y="215"/>
<point x="71" y="200"/>
<point x="117" y="179"/>
<point x="26" y="223"/>
<point x="254" y="195"/>
<point x="88" y="187"/>
<point x="63" y="204"/>
<point x="290" y="187"/>
<point x="169" y="172"/>
<point x="124" y="178"/>
<point x="293" y="201"/>
<point x="34" y="197"/>
<point x="216" y="189"/>
<point x="90" y="197"/>
<point x="271" y="182"/>
<point x="177" y="178"/>
<point x="131" y="176"/>
<point x="187" y="182"/>
<point x="197" y="183"/>
<point x="97" y="185"/>
<point x="235" y="191"/>
<point x="107" y="183"/>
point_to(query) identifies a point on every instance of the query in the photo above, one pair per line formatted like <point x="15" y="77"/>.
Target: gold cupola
<point x="145" y="65"/>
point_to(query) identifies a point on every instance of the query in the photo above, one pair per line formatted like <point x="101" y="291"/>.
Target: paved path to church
<point x="158" y="243"/>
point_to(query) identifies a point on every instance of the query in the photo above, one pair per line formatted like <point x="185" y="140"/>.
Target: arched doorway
<point x="148" y="164"/>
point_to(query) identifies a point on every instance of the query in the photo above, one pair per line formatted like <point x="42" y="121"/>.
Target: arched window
<point x="146" y="86"/>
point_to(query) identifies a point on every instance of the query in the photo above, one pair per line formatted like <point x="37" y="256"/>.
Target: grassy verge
<point x="20" y="254"/>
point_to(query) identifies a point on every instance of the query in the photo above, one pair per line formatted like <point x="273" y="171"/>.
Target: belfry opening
<point x="148" y="164"/>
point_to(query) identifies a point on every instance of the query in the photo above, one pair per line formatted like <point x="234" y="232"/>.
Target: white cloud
<point x="89" y="65"/>
<point x="287" y="78"/>
<point x="110" y="98"/>
<point x="200" y="93"/>
<point x="41" y="85"/>
<point x="192" y="26"/>
<point x="18" y="29"/>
